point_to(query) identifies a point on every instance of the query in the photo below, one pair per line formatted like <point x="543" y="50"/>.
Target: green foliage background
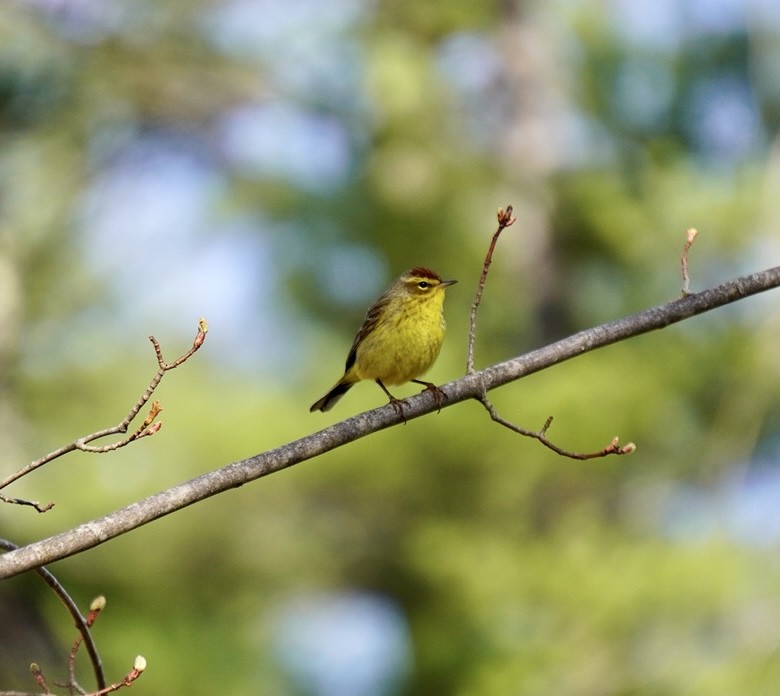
<point x="133" y="199"/>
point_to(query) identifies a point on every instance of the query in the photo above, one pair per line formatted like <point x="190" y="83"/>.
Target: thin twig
<point x="139" y="665"/>
<point x="80" y="622"/>
<point x="98" y="604"/>
<point x="40" y="507"/>
<point x="505" y="219"/>
<point x="83" y="624"/>
<point x="138" y="668"/>
<point x="40" y="680"/>
<point x="690" y="236"/>
<point x="541" y="435"/>
<point x="149" y="426"/>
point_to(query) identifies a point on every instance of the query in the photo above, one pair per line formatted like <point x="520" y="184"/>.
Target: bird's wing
<point x="369" y="324"/>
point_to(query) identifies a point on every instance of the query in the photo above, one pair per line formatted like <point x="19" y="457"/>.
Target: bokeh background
<point x="271" y="165"/>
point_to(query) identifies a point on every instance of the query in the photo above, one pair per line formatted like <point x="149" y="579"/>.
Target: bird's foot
<point x="398" y="407"/>
<point x="397" y="404"/>
<point x="438" y="393"/>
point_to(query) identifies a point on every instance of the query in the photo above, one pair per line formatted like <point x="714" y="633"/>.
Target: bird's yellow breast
<point x="405" y="344"/>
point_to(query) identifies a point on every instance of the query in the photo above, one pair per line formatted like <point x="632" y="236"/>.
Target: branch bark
<point x="471" y="386"/>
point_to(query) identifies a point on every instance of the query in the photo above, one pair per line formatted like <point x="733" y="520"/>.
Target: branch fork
<point x="148" y="427"/>
<point x="505" y="219"/>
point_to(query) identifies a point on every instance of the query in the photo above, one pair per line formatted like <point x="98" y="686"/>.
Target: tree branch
<point x="471" y="386"/>
<point x="149" y="426"/>
<point x="505" y="219"/>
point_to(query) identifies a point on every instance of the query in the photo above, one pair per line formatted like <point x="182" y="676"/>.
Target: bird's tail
<point x="328" y="401"/>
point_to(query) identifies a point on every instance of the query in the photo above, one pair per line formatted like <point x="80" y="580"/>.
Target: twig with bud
<point x="148" y="427"/>
<point x="138" y="668"/>
<point x="83" y="624"/>
<point x="139" y="665"/>
<point x="505" y="219"/>
<point x="613" y="447"/>
<point x="690" y="236"/>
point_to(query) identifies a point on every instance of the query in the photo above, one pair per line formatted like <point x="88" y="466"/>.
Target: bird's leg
<point x="397" y="404"/>
<point x="438" y="395"/>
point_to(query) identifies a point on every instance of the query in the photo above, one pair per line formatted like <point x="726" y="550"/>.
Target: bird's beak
<point x="445" y="283"/>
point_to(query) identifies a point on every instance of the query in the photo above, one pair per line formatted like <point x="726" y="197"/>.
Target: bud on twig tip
<point x="153" y="428"/>
<point x="98" y="604"/>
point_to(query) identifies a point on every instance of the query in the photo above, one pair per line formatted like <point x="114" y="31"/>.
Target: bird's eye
<point x="422" y="284"/>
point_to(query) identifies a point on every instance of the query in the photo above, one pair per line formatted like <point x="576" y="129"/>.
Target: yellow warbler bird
<point x="400" y="338"/>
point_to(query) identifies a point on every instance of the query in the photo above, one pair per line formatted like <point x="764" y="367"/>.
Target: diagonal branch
<point x="471" y="386"/>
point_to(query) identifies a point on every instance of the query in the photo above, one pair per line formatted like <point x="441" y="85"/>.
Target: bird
<point x="399" y="340"/>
